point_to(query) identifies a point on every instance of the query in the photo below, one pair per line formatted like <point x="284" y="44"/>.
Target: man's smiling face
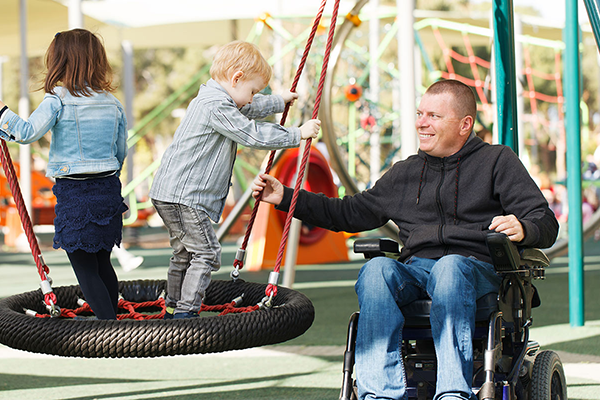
<point x="442" y="132"/>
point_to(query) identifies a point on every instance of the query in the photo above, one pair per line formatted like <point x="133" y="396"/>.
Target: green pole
<point x="592" y="11"/>
<point x="504" y="56"/>
<point x="573" y="127"/>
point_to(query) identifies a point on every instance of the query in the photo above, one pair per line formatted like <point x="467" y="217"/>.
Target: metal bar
<point x="504" y="52"/>
<point x="573" y="129"/>
<point x="592" y="11"/>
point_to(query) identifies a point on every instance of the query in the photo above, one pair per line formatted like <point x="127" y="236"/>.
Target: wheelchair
<point x="507" y="364"/>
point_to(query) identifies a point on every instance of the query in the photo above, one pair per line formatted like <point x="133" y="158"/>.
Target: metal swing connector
<point x="31" y="313"/>
<point x="240" y="257"/>
<point x="238" y="300"/>
<point x="46" y="287"/>
<point x="43" y="264"/>
<point x="267" y="301"/>
<point x="53" y="309"/>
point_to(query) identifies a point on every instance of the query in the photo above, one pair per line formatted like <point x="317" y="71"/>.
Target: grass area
<point x="588" y="346"/>
<point x="554" y="292"/>
<point x="333" y="308"/>
<point x="268" y="393"/>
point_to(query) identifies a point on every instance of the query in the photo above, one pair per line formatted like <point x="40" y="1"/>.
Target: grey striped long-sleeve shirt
<point x="196" y="168"/>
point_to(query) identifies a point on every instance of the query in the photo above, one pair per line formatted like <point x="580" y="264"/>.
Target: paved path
<point x="282" y="372"/>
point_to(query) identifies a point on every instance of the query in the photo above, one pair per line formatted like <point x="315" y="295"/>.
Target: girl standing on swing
<point x="89" y="145"/>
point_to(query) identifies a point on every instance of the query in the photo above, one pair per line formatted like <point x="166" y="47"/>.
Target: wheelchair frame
<point x="507" y="365"/>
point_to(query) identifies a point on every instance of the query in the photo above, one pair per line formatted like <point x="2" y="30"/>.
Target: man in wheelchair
<point x="444" y="200"/>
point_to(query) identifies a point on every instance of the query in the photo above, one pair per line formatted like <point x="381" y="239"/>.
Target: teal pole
<point x="504" y="61"/>
<point x="573" y="127"/>
<point x="592" y="11"/>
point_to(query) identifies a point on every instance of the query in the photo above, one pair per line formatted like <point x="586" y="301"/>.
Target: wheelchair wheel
<point x="548" y="377"/>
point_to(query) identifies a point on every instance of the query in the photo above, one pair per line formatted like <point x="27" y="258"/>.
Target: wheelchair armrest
<point x="504" y="253"/>
<point x="371" y="248"/>
<point x="534" y="258"/>
<point x="506" y="257"/>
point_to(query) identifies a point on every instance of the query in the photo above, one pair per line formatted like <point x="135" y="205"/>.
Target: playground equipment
<point x="237" y="326"/>
<point x="42" y="203"/>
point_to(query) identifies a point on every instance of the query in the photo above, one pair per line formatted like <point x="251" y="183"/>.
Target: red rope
<point x="13" y="182"/>
<point x="271" y="289"/>
<point x="239" y="263"/>
<point x="132" y="308"/>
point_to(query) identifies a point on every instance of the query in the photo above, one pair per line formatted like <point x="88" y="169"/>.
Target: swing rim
<point x="290" y="316"/>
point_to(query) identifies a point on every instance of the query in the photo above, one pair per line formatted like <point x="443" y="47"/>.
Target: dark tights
<point x="98" y="281"/>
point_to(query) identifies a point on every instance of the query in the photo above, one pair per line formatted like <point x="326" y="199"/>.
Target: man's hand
<point x="509" y="225"/>
<point x="271" y="189"/>
<point x="289" y="97"/>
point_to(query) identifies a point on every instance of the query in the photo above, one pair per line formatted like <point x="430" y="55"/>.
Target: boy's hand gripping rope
<point x="238" y="262"/>
<point x="43" y="270"/>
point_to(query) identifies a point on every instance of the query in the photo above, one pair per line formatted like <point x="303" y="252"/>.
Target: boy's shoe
<point x="185" y="315"/>
<point x="168" y="313"/>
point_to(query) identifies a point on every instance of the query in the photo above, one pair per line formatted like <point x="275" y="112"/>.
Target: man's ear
<point x="236" y="77"/>
<point x="466" y="125"/>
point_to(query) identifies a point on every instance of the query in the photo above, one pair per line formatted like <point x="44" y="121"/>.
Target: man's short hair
<point x="462" y="93"/>
<point x="240" y="56"/>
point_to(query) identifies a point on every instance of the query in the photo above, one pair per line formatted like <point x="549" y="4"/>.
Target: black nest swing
<point x="290" y="315"/>
<point x="285" y="315"/>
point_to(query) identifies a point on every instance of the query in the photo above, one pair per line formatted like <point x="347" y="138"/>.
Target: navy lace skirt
<point x="89" y="214"/>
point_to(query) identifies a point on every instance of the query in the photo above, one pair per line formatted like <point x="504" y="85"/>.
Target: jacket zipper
<point x="439" y="203"/>
<point x="441" y="210"/>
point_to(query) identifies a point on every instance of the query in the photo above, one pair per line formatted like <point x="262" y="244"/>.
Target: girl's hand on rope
<point x="289" y="97"/>
<point x="509" y="225"/>
<point x="271" y="189"/>
<point x="310" y="129"/>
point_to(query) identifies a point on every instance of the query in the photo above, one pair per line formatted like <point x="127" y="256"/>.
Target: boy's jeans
<point x="384" y="285"/>
<point x="196" y="253"/>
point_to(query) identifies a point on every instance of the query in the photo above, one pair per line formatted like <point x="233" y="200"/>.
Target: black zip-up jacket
<point x="441" y="205"/>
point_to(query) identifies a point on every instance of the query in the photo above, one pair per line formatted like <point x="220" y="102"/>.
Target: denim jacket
<point x="89" y="134"/>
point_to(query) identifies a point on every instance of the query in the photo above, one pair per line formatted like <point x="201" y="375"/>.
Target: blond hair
<point x="240" y="56"/>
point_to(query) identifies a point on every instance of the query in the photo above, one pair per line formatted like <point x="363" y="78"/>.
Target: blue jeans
<point x="196" y="254"/>
<point x="454" y="283"/>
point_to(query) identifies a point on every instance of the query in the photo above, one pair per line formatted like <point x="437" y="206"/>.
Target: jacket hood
<point x="472" y="144"/>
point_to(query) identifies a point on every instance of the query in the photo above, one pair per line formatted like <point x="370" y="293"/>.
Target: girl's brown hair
<point x="77" y="60"/>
